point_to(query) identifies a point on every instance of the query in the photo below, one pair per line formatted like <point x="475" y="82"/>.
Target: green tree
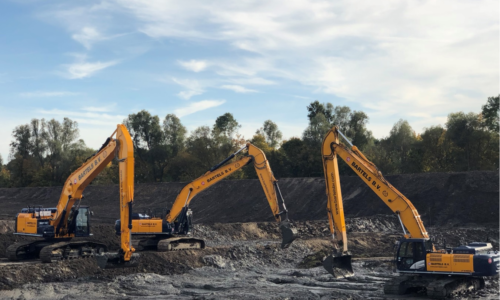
<point x="437" y="150"/>
<point x="226" y="125"/>
<point x="402" y="145"/>
<point x="490" y="113"/>
<point x="477" y="147"/>
<point x="271" y="133"/>
<point x="21" y="145"/>
<point x="342" y="118"/>
<point x="315" y="108"/>
<point x="4" y="175"/>
<point x="150" y="147"/>
<point x="315" y="132"/>
<point x="38" y="139"/>
<point x="357" y="129"/>
<point x="302" y="159"/>
<point x="175" y="133"/>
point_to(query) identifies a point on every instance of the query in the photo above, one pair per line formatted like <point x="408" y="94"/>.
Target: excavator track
<point x="437" y="287"/>
<point x="24" y="250"/>
<point x="180" y="243"/>
<point x="396" y="286"/>
<point x="450" y="287"/>
<point x="70" y="250"/>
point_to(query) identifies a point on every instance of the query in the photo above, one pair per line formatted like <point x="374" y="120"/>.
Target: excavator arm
<point x="122" y="147"/>
<point x="223" y="170"/>
<point x="368" y="172"/>
<point x="339" y="263"/>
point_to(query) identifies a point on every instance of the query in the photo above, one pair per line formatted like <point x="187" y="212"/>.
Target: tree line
<point x="45" y="153"/>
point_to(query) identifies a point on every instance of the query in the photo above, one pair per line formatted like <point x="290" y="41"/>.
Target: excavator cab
<point x="79" y="221"/>
<point x="411" y="254"/>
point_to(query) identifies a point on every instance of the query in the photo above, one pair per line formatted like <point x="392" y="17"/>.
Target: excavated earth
<point x="243" y="259"/>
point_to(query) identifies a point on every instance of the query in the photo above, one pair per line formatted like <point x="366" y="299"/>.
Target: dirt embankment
<point x="443" y="199"/>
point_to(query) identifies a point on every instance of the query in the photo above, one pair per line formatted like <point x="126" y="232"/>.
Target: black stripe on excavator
<point x="61" y="221"/>
<point x="130" y="215"/>
<point x="284" y="211"/>
<point x="222" y="162"/>
<point x="102" y="147"/>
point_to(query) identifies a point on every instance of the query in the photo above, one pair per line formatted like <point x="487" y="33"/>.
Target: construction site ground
<point x="243" y="259"/>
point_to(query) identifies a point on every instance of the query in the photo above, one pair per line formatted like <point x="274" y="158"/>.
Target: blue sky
<point x="98" y="61"/>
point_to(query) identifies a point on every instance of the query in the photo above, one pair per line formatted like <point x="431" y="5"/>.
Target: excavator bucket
<point x="115" y="261"/>
<point x="338" y="266"/>
<point x="288" y="234"/>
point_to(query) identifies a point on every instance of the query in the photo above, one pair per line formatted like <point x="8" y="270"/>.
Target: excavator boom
<point x="339" y="263"/>
<point x="368" y="172"/>
<point x="178" y="218"/>
<point x="68" y="219"/>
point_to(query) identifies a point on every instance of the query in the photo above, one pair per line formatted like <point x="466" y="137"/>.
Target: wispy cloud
<point x="193" y="87"/>
<point x="87" y="36"/>
<point x="105" y="108"/>
<point x="82" y="69"/>
<point x="89" y="117"/>
<point x="194" y="65"/>
<point x="238" y="89"/>
<point x="197" y="106"/>
<point x="46" y="94"/>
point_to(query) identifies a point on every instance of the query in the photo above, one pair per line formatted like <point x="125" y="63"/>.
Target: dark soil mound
<point x="455" y="199"/>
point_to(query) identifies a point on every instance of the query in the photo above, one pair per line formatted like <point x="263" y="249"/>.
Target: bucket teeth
<point x="339" y="266"/>
<point x="288" y="234"/>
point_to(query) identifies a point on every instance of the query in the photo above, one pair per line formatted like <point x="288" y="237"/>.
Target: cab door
<point x="409" y="254"/>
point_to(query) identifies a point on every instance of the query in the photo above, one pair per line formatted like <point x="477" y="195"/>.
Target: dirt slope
<point x="442" y="199"/>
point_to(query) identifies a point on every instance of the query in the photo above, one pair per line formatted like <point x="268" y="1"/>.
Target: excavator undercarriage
<point x="169" y="243"/>
<point x="50" y="251"/>
<point x="436" y="287"/>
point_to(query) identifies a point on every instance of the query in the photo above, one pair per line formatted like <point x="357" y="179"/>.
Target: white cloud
<point x="106" y="108"/>
<point x="87" y="36"/>
<point x="46" y="94"/>
<point x="238" y="89"/>
<point x="193" y="88"/>
<point x="82" y="117"/>
<point x="385" y="51"/>
<point x="194" y="65"/>
<point x="84" y="69"/>
<point x="197" y="106"/>
<point x="396" y="58"/>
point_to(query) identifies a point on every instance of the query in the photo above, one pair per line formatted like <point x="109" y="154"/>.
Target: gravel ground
<point x="242" y="261"/>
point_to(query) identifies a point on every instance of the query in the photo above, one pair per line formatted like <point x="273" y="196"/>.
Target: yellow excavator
<point x="172" y="229"/>
<point x="441" y="273"/>
<point x="69" y="219"/>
